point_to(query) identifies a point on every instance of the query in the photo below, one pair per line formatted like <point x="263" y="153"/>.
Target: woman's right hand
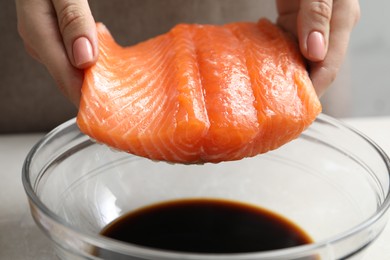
<point x="61" y="34"/>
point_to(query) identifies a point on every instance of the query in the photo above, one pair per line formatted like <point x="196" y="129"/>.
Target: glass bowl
<point x="332" y="181"/>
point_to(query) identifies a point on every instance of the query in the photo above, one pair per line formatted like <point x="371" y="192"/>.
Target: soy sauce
<point x="206" y="226"/>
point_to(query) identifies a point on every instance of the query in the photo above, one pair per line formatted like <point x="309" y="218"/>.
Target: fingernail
<point x="316" y="46"/>
<point x="82" y="51"/>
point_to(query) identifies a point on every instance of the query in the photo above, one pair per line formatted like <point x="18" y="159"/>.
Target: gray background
<point x="29" y="100"/>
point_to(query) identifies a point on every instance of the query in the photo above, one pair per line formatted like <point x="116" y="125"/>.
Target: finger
<point x="78" y="31"/>
<point x="287" y="7"/>
<point x="68" y="78"/>
<point x="46" y="43"/>
<point x="313" y="28"/>
<point x="345" y="15"/>
<point x="30" y="50"/>
<point x="287" y="15"/>
<point x="27" y="45"/>
<point x="288" y="22"/>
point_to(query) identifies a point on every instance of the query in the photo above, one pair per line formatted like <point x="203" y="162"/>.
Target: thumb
<point x="78" y="31"/>
<point x="313" y="28"/>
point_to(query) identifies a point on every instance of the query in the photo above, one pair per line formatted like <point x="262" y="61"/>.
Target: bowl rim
<point x="126" y="248"/>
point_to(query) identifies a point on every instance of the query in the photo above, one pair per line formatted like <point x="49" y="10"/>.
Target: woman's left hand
<point x="323" y="29"/>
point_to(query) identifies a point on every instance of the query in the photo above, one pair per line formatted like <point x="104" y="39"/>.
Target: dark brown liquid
<point x="206" y="226"/>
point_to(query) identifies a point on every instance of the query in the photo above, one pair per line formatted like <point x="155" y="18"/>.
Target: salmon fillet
<point x="199" y="93"/>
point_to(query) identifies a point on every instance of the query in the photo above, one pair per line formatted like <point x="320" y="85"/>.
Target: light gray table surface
<point x="21" y="239"/>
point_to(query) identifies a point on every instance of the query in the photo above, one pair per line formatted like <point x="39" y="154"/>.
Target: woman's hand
<point x="61" y="34"/>
<point x="323" y="28"/>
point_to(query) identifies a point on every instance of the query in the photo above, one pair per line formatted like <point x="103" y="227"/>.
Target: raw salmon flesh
<point x="199" y="93"/>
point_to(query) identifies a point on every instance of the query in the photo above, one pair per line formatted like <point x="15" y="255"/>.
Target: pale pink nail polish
<point x="316" y="46"/>
<point x="82" y="51"/>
